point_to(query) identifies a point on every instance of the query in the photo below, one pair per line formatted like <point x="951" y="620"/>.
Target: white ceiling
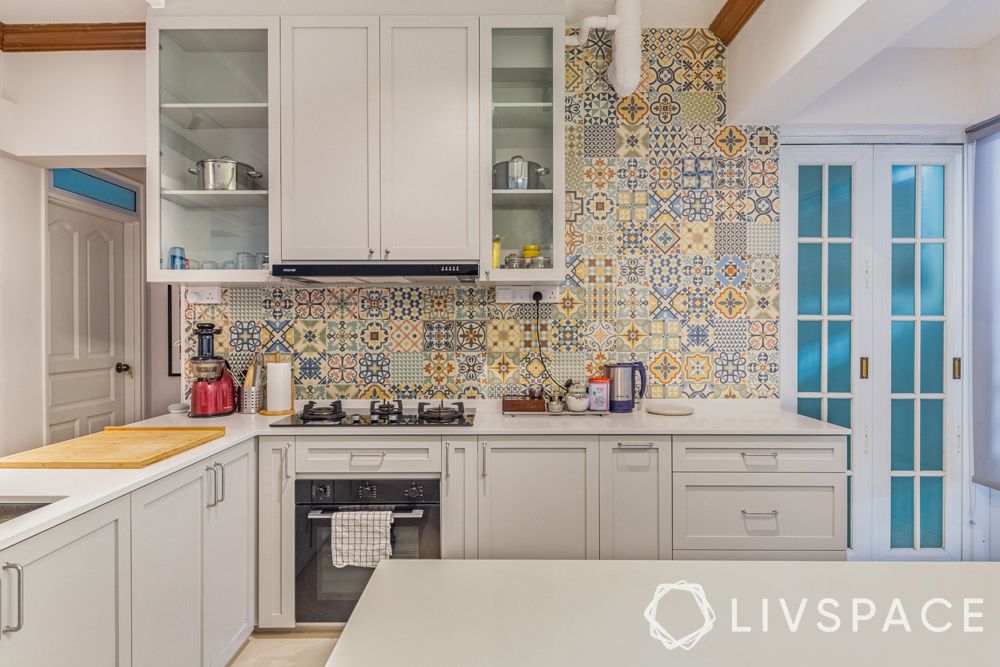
<point x="655" y="13"/>
<point x="961" y="24"/>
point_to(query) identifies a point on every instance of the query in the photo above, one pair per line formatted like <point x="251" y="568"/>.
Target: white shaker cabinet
<point x="65" y="594"/>
<point x="430" y="137"/>
<point x="635" y="498"/>
<point x="276" y="532"/>
<point x="192" y="562"/>
<point x="538" y="497"/>
<point x="459" y="486"/>
<point x="329" y="138"/>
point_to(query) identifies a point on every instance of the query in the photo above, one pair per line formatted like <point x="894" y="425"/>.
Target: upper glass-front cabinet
<point x="522" y="123"/>
<point x="212" y="163"/>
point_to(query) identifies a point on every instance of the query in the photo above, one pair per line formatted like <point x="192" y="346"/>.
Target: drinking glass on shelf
<point x="246" y="261"/>
<point x="209" y="265"/>
<point x="193" y="264"/>
<point x="229" y="265"/>
<point x="262" y="260"/>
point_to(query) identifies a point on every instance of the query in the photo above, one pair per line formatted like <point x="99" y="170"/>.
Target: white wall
<point x="22" y="302"/>
<point x="988" y="79"/>
<point x="65" y="109"/>
<point x="161" y="389"/>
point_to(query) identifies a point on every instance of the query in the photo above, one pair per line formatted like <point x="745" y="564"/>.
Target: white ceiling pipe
<point x="625" y="70"/>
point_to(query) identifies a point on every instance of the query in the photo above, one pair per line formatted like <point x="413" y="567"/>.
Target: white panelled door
<point x="86" y="326"/>
<point x="872" y="295"/>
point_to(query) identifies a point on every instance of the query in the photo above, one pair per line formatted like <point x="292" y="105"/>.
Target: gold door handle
<point x="956" y="368"/>
<point x="864" y="368"/>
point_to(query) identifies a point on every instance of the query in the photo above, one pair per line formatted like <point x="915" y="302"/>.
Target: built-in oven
<point x="328" y="594"/>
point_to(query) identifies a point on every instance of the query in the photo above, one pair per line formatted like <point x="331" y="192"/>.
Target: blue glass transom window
<point x="96" y="189"/>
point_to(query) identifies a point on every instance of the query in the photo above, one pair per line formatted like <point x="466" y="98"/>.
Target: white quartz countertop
<point x="428" y="613"/>
<point x="84" y="489"/>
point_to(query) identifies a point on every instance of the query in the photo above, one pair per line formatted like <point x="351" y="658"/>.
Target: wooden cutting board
<point x="116" y="447"/>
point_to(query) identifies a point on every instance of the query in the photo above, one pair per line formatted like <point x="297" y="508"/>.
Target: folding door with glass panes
<point x="872" y="332"/>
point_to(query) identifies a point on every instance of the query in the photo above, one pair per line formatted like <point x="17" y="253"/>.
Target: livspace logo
<point x="826" y="615"/>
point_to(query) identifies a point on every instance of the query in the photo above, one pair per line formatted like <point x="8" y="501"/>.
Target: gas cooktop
<point x="384" y="413"/>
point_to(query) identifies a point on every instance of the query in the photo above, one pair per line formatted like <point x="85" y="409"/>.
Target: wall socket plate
<point x="522" y="293"/>
<point x="203" y="295"/>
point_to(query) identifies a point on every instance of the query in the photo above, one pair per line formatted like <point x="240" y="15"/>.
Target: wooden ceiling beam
<point x="732" y="17"/>
<point x="34" y="37"/>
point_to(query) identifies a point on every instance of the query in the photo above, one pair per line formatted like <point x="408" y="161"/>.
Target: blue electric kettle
<point x="623" y="396"/>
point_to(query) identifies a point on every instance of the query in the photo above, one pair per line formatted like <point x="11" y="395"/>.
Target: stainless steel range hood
<point x="379" y="273"/>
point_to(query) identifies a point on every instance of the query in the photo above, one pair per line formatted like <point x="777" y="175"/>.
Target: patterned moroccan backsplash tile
<point x="672" y="260"/>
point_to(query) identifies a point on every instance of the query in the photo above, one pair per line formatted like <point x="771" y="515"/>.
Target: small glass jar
<point x="576" y="398"/>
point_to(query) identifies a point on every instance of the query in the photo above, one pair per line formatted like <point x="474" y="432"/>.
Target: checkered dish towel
<point x="361" y="538"/>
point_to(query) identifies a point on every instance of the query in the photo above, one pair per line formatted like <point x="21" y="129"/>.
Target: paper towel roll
<point x="279" y="386"/>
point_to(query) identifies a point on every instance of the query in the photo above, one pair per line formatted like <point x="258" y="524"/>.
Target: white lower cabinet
<point x="635" y="498"/>
<point x="276" y="532"/>
<point x="193" y="545"/>
<point x="538" y="497"/>
<point x="73" y="585"/>
<point x="459" y="501"/>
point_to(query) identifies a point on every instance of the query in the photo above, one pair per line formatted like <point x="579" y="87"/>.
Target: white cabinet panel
<point x="459" y="502"/>
<point x="430" y="138"/>
<point x="760" y="511"/>
<point x="329" y="138"/>
<point x="168" y="577"/>
<point x="635" y="498"/>
<point x="230" y="556"/>
<point x="276" y="532"/>
<point x="758" y="453"/>
<point x="538" y="497"/>
<point x="75" y="583"/>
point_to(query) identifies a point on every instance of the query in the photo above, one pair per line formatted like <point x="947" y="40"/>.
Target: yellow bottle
<point x="497" y="252"/>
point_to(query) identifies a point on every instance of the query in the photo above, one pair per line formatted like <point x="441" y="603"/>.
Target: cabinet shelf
<point x="217" y="116"/>
<point x="522" y="198"/>
<point x="528" y="115"/>
<point x="216" y="198"/>
<point x="522" y="75"/>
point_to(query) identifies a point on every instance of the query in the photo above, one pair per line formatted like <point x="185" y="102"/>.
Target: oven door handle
<point x="320" y="515"/>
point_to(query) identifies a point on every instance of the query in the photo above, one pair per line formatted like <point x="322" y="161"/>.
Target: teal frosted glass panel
<point x="94" y="188"/>
<point x="838" y="357"/>
<point x="810" y="200"/>
<point x="904" y="201"/>
<point x="901" y="509"/>
<point x="810" y="278"/>
<point x="932" y="279"/>
<point x="902" y="279"/>
<point x="810" y="407"/>
<point x="902" y="433"/>
<point x="931" y="512"/>
<point x="931" y="202"/>
<point x="932" y="434"/>
<point x="838" y="284"/>
<point x="902" y="358"/>
<point x="810" y="355"/>
<point x="838" y="411"/>
<point x="932" y="357"/>
<point x="838" y="216"/>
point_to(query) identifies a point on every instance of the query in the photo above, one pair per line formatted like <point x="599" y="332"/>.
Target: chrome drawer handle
<point x="222" y="483"/>
<point x="215" y="485"/>
<point x="746" y="454"/>
<point x="745" y="513"/>
<point x="371" y="455"/>
<point x="10" y="629"/>
<point x="286" y="460"/>
<point x="447" y="457"/>
<point x="635" y="445"/>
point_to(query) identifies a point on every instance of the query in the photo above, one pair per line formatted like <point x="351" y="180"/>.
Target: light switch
<point x="209" y="296"/>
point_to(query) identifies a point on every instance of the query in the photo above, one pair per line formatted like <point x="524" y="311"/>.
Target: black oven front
<point x="327" y="594"/>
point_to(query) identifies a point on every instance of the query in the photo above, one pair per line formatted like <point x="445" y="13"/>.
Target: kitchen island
<point x="594" y="614"/>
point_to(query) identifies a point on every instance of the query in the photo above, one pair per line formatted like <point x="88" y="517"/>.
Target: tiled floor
<point x="286" y="650"/>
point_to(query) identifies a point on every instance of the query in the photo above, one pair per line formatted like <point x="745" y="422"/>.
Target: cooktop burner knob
<point x="393" y="419"/>
<point x="355" y="419"/>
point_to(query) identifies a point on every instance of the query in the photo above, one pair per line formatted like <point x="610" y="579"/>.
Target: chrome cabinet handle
<point x="10" y="629"/>
<point x="288" y="447"/>
<point x="222" y="485"/>
<point x="387" y="253"/>
<point x="215" y="486"/>
<point x="371" y="252"/>
<point x="745" y="513"/>
<point x="635" y="445"/>
<point x="447" y="461"/>
<point x="361" y="455"/>
<point x="751" y="454"/>
<point x="484" y="460"/>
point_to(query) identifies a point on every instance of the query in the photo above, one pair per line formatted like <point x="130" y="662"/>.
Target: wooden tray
<point x="116" y="447"/>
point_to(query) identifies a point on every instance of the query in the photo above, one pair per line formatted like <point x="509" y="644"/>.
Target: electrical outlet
<point x="523" y="293"/>
<point x="209" y="296"/>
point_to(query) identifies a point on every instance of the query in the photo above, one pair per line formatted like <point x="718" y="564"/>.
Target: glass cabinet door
<point x="525" y="232"/>
<point x="214" y="122"/>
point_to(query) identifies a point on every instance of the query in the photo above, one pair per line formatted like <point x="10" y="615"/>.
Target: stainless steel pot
<point x="225" y="173"/>
<point x="518" y="174"/>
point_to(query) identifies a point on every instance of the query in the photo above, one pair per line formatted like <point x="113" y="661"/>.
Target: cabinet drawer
<point x="368" y="455"/>
<point x="753" y="453"/>
<point x="760" y="511"/>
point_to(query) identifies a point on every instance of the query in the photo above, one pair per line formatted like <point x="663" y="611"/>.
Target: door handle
<point x="864" y="368"/>
<point x="10" y="629"/>
<point x="447" y="457"/>
<point x="215" y="486"/>
<point x="222" y="484"/>
<point x="288" y="447"/>
<point x="122" y="367"/>
<point x="484" y="460"/>
<point x="956" y="368"/>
